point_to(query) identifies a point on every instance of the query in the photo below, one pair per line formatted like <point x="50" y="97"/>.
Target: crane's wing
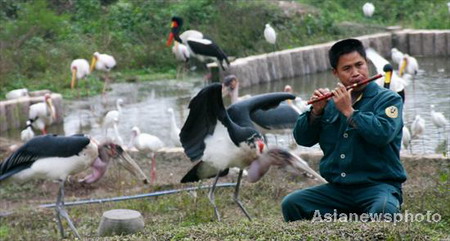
<point x="41" y="147"/>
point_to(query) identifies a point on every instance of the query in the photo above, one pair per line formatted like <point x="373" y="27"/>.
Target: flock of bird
<point x="216" y="138"/>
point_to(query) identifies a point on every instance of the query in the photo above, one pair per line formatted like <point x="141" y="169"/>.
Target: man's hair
<point x="345" y="46"/>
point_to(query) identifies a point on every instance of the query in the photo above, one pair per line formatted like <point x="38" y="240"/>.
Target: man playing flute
<point x="359" y="131"/>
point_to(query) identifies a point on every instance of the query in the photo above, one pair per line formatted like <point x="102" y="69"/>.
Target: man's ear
<point x="334" y="71"/>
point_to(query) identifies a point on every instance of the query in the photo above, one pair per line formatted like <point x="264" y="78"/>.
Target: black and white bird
<point x="217" y="139"/>
<point x="55" y="158"/>
<point x="199" y="46"/>
<point x="42" y="114"/>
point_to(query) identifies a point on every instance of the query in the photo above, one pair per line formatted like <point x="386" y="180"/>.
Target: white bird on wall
<point x="42" y="114"/>
<point x="368" y="9"/>
<point x="112" y="119"/>
<point x="174" y="129"/>
<point x="396" y="56"/>
<point x="17" y="93"/>
<point x="103" y="62"/>
<point x="28" y="133"/>
<point x="448" y="5"/>
<point x="146" y="143"/>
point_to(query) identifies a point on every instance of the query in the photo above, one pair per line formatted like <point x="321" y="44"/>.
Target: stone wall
<point x="14" y="113"/>
<point x="312" y="59"/>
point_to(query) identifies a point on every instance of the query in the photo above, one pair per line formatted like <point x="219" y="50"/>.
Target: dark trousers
<point x="330" y="198"/>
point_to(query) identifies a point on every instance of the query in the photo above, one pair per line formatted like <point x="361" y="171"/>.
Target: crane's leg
<point x="211" y="196"/>
<point x="61" y="211"/>
<point x="236" y="195"/>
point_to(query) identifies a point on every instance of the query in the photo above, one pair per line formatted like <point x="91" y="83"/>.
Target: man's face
<point x="352" y="68"/>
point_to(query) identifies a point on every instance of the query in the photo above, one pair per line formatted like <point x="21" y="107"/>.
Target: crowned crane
<point x="42" y="114"/>
<point x="28" y="133"/>
<point x="396" y="56"/>
<point x="368" y="9"/>
<point x="174" y="130"/>
<point x="408" y="65"/>
<point x="55" y="158"/>
<point x="391" y="80"/>
<point x="17" y="93"/>
<point x="80" y="70"/>
<point x="216" y="139"/>
<point x="438" y="119"/>
<point x="199" y="46"/>
<point x="270" y="35"/>
<point x="112" y="119"/>
<point x="146" y="143"/>
<point x="103" y="62"/>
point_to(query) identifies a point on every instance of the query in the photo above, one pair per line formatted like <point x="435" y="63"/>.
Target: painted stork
<point x="146" y="143"/>
<point x="17" y="93"/>
<point x="270" y="35"/>
<point x="103" y="62"/>
<point x="216" y="139"/>
<point x="396" y="56"/>
<point x="28" y="133"/>
<point x="408" y="65"/>
<point x="391" y="80"/>
<point x="199" y="46"/>
<point x="112" y="119"/>
<point x="368" y="9"/>
<point x="80" y="69"/>
<point x="55" y="158"/>
<point x="438" y="119"/>
<point x="174" y="130"/>
<point x="42" y="114"/>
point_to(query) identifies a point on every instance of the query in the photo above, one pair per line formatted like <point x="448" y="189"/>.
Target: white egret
<point x="112" y="119"/>
<point x="270" y="35"/>
<point x="174" y="130"/>
<point x="368" y="9"/>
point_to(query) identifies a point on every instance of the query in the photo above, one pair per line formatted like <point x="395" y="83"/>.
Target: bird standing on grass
<point x="368" y="9"/>
<point x="103" y="62"/>
<point x="199" y="46"/>
<point x="146" y="143"/>
<point x="80" y="70"/>
<point x="42" y="114"/>
<point x="270" y="35"/>
<point x="216" y="139"/>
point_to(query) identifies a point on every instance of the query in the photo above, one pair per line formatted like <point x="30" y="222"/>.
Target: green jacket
<point x="363" y="149"/>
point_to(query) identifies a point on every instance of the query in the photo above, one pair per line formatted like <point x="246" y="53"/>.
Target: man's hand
<point x="320" y="105"/>
<point x="343" y="100"/>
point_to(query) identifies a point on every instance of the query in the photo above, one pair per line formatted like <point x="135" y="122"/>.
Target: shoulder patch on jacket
<point x="392" y="111"/>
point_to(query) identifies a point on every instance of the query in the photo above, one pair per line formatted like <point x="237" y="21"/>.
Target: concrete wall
<point x="312" y="59"/>
<point x="14" y="113"/>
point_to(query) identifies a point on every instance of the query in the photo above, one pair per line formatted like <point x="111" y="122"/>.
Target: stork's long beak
<point x="52" y="108"/>
<point x="93" y="62"/>
<point x="128" y="163"/>
<point x="402" y="68"/>
<point x="301" y="165"/>
<point x="73" y="82"/>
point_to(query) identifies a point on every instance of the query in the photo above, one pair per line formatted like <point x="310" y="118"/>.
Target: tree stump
<point x="120" y="221"/>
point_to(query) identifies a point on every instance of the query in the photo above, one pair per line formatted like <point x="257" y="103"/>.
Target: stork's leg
<point x="236" y="195"/>
<point x="211" y="196"/>
<point x="44" y="131"/>
<point x="153" y="171"/>
<point x="61" y="211"/>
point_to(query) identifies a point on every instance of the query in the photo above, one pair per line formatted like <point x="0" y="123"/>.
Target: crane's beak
<point x="73" y="81"/>
<point x="128" y="163"/>
<point x="93" y="62"/>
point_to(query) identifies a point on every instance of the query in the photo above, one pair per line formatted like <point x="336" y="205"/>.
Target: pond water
<point x="146" y="103"/>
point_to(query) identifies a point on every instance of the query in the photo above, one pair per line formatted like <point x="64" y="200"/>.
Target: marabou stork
<point x="28" y="133"/>
<point x="17" y="93"/>
<point x="199" y="46"/>
<point x="368" y="9"/>
<point x="103" y="62"/>
<point x="146" y="143"/>
<point x="216" y="139"/>
<point x="42" y="114"/>
<point x="55" y="158"/>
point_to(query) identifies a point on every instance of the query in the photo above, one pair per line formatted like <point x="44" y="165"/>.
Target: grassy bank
<point x="39" y="39"/>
